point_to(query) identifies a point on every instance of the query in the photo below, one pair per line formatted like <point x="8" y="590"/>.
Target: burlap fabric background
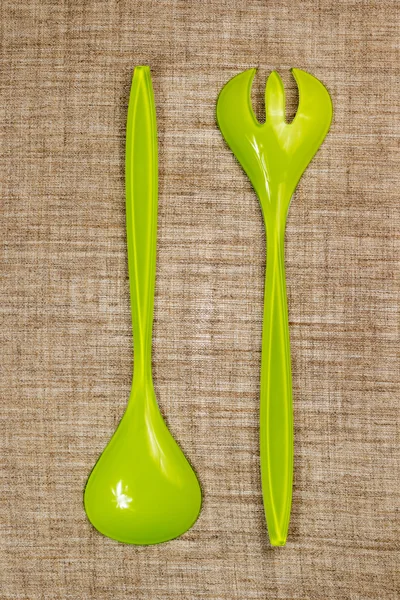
<point x="66" y="355"/>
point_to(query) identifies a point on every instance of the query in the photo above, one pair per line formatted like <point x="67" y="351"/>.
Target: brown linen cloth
<point x="66" y="361"/>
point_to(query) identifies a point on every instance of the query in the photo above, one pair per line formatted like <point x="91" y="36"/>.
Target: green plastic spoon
<point x="274" y="155"/>
<point x="142" y="489"/>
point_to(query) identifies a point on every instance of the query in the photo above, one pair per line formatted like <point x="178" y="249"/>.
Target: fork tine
<point x="275" y="99"/>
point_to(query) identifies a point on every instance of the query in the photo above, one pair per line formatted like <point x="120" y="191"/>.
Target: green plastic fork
<point x="274" y="155"/>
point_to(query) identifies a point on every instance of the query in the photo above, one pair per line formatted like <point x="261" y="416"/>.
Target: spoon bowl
<point x="142" y="489"/>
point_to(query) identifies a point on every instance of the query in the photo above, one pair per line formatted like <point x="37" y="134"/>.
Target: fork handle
<point x="276" y="413"/>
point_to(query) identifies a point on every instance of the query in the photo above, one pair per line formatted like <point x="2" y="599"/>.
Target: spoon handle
<point x="141" y="183"/>
<point x="276" y="416"/>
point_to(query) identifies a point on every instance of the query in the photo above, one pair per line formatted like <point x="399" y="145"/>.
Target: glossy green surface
<point x="274" y="155"/>
<point x="142" y="489"/>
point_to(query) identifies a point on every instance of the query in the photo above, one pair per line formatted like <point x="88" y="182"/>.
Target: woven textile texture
<point x="66" y="344"/>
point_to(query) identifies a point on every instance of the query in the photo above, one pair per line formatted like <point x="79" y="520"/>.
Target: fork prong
<point x="275" y="99"/>
<point x="315" y="104"/>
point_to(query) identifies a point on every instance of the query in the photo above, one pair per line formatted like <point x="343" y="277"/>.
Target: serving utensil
<point x="142" y="489"/>
<point x="274" y="155"/>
